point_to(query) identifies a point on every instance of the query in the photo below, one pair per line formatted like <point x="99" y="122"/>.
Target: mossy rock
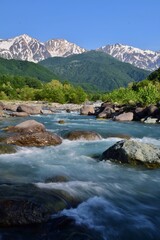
<point x="61" y="122"/>
<point x="7" y="149"/>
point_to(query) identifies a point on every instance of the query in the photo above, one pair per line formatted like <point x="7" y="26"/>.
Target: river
<point x="116" y="202"/>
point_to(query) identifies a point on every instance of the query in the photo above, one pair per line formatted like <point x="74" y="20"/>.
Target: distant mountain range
<point x="27" y="48"/>
<point x="94" y="71"/>
<point x="24" y="47"/>
<point x="144" y="59"/>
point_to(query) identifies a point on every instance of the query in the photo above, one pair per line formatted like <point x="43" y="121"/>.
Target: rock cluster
<point x="34" y="108"/>
<point x="149" y="114"/>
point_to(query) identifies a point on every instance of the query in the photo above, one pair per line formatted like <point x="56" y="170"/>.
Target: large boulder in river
<point x="87" y="135"/>
<point x="126" y="116"/>
<point x="87" y="110"/>
<point x="135" y="153"/>
<point x="29" y="109"/>
<point x="21" y="212"/>
<point x="28" y="126"/>
<point x="34" y="139"/>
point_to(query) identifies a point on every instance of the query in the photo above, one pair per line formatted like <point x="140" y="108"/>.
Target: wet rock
<point x="34" y="139"/>
<point x="151" y="120"/>
<point x="153" y="110"/>
<point x="30" y="109"/>
<point x="57" y="179"/>
<point x="87" y="109"/>
<point x="140" y="113"/>
<point x="28" y="126"/>
<point x="7" y="149"/>
<point x="135" y="153"/>
<point x="21" y="212"/>
<point x="19" y="114"/>
<point x="61" y="121"/>
<point x="119" y="135"/>
<point x="46" y="112"/>
<point x="87" y="135"/>
<point x="126" y="116"/>
<point x="107" y="105"/>
<point x="106" y="113"/>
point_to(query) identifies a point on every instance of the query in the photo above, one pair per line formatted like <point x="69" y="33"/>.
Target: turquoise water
<point x="115" y="201"/>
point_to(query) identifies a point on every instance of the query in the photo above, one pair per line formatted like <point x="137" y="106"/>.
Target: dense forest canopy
<point x="95" y="71"/>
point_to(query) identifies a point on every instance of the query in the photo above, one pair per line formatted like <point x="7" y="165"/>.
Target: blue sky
<point x="88" y="23"/>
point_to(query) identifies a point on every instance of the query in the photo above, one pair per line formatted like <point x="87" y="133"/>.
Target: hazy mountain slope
<point x="95" y="71"/>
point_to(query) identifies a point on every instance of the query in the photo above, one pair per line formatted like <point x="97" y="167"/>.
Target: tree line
<point x="28" y="88"/>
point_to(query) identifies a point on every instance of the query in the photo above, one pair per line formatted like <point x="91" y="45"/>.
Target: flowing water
<point x="116" y="201"/>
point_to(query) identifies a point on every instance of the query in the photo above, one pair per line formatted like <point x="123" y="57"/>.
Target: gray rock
<point x="29" y="109"/>
<point x="106" y="113"/>
<point x="19" y="114"/>
<point x="87" y="109"/>
<point x="126" y="116"/>
<point x="140" y="113"/>
<point x="153" y="110"/>
<point x="129" y="151"/>
<point x="87" y="135"/>
<point x="10" y="107"/>
<point x="151" y="120"/>
<point x="46" y="112"/>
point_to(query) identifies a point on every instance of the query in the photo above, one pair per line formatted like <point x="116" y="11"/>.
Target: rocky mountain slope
<point x="24" y="47"/>
<point x="145" y="59"/>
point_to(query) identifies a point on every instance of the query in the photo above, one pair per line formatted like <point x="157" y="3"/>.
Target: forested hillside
<point x="24" y="68"/>
<point x="95" y="71"/>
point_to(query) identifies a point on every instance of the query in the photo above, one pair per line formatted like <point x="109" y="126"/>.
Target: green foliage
<point x="145" y="92"/>
<point x="155" y="76"/>
<point x="95" y="71"/>
<point x="27" y="69"/>
<point x="25" y="88"/>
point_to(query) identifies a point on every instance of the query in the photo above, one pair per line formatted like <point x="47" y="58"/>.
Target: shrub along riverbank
<point x="27" y="88"/>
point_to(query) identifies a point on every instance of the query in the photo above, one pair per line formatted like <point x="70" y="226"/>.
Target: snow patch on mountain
<point x="145" y="59"/>
<point x="24" y="47"/>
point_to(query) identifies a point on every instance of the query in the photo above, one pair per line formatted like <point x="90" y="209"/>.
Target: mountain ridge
<point x="26" y="48"/>
<point x="144" y="59"/>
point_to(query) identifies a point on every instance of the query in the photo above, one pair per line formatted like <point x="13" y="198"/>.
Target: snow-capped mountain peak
<point x="145" y="59"/>
<point x="24" y="47"/>
<point x="62" y="48"/>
